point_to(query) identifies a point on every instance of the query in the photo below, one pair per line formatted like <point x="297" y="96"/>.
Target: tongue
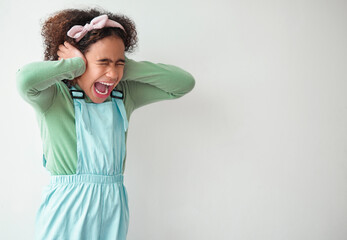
<point x="101" y="87"/>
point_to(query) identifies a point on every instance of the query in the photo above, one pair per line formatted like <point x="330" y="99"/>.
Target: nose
<point x="112" y="73"/>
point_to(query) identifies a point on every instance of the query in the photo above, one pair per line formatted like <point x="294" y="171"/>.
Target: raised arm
<point x="148" y="82"/>
<point x="36" y="81"/>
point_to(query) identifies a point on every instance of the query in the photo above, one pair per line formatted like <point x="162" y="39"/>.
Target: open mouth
<point x="103" y="88"/>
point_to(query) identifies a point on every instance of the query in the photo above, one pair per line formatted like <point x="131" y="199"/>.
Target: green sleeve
<point x="36" y="81"/>
<point x="148" y="82"/>
<point x="144" y="82"/>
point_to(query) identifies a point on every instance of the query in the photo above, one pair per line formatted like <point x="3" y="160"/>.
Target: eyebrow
<point x="109" y="60"/>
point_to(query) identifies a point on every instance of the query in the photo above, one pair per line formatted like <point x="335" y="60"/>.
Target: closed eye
<point x="107" y="60"/>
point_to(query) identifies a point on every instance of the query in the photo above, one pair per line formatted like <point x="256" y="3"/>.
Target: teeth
<point x="102" y="92"/>
<point x="107" y="84"/>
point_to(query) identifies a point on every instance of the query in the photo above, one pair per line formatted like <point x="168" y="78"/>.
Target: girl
<point x="83" y="95"/>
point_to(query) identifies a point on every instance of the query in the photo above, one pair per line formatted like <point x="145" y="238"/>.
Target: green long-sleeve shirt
<point x="40" y="84"/>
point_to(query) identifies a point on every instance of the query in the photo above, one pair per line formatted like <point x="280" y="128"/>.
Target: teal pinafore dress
<point x="93" y="203"/>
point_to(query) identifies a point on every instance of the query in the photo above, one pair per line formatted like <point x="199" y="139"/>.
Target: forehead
<point x="109" y="47"/>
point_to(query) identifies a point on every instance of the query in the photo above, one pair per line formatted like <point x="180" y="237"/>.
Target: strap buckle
<point x="77" y="94"/>
<point x="117" y="94"/>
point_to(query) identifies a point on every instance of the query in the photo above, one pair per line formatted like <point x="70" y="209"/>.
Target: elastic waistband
<point x="87" y="178"/>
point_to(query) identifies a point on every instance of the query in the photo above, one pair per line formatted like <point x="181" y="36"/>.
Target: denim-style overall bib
<point x="93" y="203"/>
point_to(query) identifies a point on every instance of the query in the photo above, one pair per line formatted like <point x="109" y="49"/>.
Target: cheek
<point x="121" y="73"/>
<point x="93" y="68"/>
<point x="94" y="73"/>
<point x="87" y="73"/>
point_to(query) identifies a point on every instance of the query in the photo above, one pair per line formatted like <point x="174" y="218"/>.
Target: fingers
<point x="63" y="50"/>
<point x="67" y="50"/>
<point x="67" y="44"/>
<point x="59" y="53"/>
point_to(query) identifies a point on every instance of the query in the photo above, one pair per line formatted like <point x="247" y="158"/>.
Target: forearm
<point x="149" y="82"/>
<point x="36" y="81"/>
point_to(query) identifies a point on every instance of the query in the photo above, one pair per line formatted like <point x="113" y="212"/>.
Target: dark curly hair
<point x="55" y="28"/>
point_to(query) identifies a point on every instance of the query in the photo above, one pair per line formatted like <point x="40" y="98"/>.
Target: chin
<point x="98" y="100"/>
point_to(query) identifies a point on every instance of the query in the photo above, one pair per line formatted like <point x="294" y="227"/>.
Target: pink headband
<point x="99" y="22"/>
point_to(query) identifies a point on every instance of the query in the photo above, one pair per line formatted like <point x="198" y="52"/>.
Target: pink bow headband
<point x="78" y="31"/>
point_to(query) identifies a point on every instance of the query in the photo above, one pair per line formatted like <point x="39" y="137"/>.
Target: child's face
<point x="105" y="65"/>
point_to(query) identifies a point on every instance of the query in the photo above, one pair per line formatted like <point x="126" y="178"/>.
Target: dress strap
<point x="117" y="97"/>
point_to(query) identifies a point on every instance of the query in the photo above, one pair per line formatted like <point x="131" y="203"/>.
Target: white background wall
<point x="258" y="150"/>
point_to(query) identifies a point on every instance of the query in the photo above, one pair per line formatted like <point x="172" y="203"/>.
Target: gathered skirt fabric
<point x="84" y="207"/>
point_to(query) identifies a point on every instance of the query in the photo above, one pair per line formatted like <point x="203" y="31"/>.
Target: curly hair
<point x="55" y="28"/>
